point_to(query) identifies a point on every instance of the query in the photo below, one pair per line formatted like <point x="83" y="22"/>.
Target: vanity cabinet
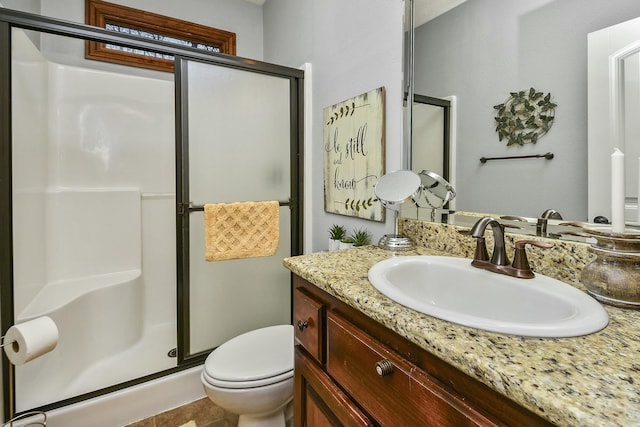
<point x="352" y="371"/>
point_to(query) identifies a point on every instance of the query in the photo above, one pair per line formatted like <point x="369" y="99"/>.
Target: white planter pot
<point x="334" y="245"/>
<point x="345" y="245"/>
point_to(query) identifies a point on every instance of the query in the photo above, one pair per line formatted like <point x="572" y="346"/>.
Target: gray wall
<point x="288" y="32"/>
<point x="31" y="6"/>
<point x="354" y="46"/>
<point x="484" y="49"/>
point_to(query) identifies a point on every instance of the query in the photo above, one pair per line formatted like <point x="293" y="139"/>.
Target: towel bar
<point x="200" y="208"/>
<point x="547" y="156"/>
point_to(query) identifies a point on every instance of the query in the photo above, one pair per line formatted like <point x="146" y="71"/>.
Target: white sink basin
<point x="451" y="289"/>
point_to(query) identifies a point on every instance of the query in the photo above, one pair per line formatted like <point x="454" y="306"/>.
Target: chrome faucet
<point x="499" y="262"/>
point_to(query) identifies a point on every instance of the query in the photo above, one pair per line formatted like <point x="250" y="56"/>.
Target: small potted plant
<point x="336" y="234"/>
<point x="346" y="242"/>
<point x="361" y="237"/>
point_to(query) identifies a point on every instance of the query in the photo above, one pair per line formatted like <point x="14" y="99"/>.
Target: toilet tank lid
<point x="254" y="355"/>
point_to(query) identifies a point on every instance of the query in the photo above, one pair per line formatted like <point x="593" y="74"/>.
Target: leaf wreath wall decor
<point x="524" y="117"/>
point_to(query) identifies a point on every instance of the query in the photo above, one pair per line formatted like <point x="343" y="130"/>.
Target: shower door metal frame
<point x="296" y="93"/>
<point x="10" y="19"/>
<point x="6" y="220"/>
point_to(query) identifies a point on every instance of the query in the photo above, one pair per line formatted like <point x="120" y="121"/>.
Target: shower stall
<point x="104" y="174"/>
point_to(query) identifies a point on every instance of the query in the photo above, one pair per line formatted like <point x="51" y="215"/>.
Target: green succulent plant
<point x="337" y="232"/>
<point x="361" y="237"/>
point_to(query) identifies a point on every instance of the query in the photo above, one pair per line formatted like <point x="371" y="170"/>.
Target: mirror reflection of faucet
<point x="541" y="224"/>
<point x="499" y="263"/>
<point x="601" y="220"/>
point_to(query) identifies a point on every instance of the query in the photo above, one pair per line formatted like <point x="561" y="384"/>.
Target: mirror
<point x="397" y="187"/>
<point x="435" y="191"/>
<point x="482" y="50"/>
<point x="433" y="186"/>
<point x="394" y="189"/>
<point x="614" y="104"/>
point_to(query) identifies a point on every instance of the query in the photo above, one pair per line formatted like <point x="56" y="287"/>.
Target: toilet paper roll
<point x="31" y="339"/>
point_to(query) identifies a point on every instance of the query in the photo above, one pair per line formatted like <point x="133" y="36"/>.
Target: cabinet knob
<point x="384" y="368"/>
<point x="302" y="324"/>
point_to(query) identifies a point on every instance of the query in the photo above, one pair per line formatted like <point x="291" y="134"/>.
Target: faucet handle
<point x="520" y="244"/>
<point x="520" y="261"/>
<point x="514" y="218"/>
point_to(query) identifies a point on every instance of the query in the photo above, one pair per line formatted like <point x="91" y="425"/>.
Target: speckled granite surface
<point x="592" y="380"/>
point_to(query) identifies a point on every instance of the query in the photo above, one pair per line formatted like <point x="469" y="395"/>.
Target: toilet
<point x="252" y="375"/>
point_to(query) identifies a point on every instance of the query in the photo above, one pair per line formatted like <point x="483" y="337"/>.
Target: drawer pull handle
<point x="384" y="368"/>
<point x="302" y="324"/>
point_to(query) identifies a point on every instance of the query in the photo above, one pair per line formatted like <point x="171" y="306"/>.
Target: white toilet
<point x="252" y="375"/>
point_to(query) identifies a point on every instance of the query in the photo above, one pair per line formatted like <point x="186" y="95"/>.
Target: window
<point x="122" y="19"/>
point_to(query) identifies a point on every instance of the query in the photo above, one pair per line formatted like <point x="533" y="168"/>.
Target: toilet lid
<point x="253" y="356"/>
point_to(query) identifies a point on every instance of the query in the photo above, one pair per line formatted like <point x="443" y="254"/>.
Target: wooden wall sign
<point x="354" y="145"/>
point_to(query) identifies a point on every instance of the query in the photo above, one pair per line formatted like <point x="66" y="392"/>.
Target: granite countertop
<point x="592" y="380"/>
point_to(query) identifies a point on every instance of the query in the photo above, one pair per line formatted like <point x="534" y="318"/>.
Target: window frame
<point x="100" y="13"/>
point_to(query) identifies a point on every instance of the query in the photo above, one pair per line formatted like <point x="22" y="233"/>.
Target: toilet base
<point x="275" y="419"/>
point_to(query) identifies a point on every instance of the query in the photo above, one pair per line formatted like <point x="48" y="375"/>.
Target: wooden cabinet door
<point x="391" y="389"/>
<point x="318" y="401"/>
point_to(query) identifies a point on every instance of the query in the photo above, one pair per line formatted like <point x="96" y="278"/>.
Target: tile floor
<point x="201" y="413"/>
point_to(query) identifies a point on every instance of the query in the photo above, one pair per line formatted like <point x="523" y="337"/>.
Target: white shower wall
<point x="93" y="157"/>
<point x="110" y="130"/>
<point x="29" y="166"/>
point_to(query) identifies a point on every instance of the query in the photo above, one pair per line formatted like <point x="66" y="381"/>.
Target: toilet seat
<point x="247" y="384"/>
<point x="256" y="358"/>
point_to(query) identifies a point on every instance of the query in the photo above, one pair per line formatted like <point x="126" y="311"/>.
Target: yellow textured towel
<point x="241" y="230"/>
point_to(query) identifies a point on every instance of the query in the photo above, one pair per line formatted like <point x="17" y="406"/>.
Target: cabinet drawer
<point x="308" y="318"/>
<point x="390" y="389"/>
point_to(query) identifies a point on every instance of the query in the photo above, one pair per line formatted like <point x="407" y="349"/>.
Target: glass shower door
<point x="236" y="147"/>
